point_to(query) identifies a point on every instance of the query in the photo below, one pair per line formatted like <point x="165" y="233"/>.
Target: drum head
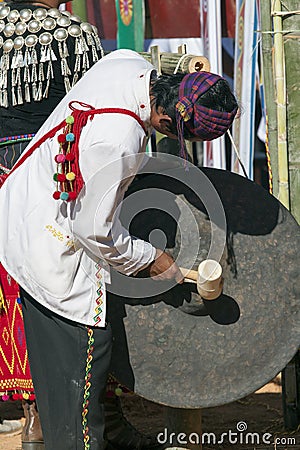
<point x="176" y="349"/>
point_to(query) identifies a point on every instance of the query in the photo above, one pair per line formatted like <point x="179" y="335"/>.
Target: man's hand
<point x="164" y="268"/>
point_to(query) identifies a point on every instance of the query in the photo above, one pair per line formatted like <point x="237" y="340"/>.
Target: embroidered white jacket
<point x="60" y="252"/>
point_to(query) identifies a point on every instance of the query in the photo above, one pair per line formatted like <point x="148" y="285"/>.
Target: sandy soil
<point x="261" y="411"/>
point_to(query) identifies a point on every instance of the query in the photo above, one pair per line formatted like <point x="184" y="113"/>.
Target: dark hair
<point x="165" y="90"/>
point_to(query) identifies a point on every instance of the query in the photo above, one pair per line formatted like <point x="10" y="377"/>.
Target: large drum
<point x="174" y="348"/>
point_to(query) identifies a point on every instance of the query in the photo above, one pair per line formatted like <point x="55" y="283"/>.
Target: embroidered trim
<point x="15" y="395"/>
<point x="88" y="376"/>
<point x="2" y="300"/>
<point x="15" y="139"/>
<point x="99" y="299"/>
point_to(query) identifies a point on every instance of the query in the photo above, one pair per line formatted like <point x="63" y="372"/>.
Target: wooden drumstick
<point x="208" y="278"/>
<point x="189" y="275"/>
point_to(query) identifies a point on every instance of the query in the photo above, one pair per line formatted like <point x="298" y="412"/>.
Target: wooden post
<point x="185" y="426"/>
<point x="292" y="53"/>
<point x="131" y="24"/>
<point x="291" y="393"/>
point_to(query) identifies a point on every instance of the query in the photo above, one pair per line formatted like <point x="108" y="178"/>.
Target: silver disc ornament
<point x="20" y="29"/>
<point x="55" y="13"/>
<point x="63" y="21"/>
<point x="9" y="29"/>
<point x="31" y="40"/>
<point x="45" y="38"/>
<point x="40" y="13"/>
<point x="13" y="16"/>
<point x="25" y="14"/>
<point x="49" y="24"/>
<point x="74" y="31"/>
<point x="60" y="34"/>
<point x="19" y="42"/>
<point x="8" y="45"/>
<point x="34" y="26"/>
<point x="4" y="11"/>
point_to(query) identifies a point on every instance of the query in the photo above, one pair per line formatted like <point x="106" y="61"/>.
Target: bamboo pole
<point x="269" y="88"/>
<point x="290" y="375"/>
<point x="292" y="52"/>
<point x="280" y="83"/>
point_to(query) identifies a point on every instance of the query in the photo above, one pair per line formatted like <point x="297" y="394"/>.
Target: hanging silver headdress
<point x="30" y="66"/>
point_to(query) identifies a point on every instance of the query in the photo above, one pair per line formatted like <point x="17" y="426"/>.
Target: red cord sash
<point x="81" y="117"/>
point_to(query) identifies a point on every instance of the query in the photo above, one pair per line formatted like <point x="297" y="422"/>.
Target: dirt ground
<point x="261" y="412"/>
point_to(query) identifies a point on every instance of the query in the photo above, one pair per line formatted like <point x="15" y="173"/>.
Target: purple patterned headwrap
<point x="204" y="123"/>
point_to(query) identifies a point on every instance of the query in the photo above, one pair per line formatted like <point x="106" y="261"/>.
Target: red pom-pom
<point x="70" y="157"/>
<point x="56" y="195"/>
<point x="61" y="138"/>
<point x="110" y="394"/>
<point x="60" y="158"/>
<point x="31" y="397"/>
<point x="61" y="177"/>
<point x="15" y="396"/>
<point x="72" y="195"/>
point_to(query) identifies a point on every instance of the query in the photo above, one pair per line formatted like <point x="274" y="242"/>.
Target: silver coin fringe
<point x="31" y="68"/>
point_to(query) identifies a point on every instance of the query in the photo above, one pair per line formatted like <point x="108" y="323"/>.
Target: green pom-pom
<point x="70" y="120"/>
<point x="118" y="391"/>
<point x="55" y="176"/>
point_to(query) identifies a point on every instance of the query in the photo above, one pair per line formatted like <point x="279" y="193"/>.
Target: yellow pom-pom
<point x="70" y="176"/>
<point x="26" y="396"/>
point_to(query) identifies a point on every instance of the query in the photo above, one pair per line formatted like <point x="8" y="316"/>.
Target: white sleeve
<point x="95" y="219"/>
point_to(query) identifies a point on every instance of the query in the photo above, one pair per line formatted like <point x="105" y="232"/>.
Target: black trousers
<point x="69" y="365"/>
